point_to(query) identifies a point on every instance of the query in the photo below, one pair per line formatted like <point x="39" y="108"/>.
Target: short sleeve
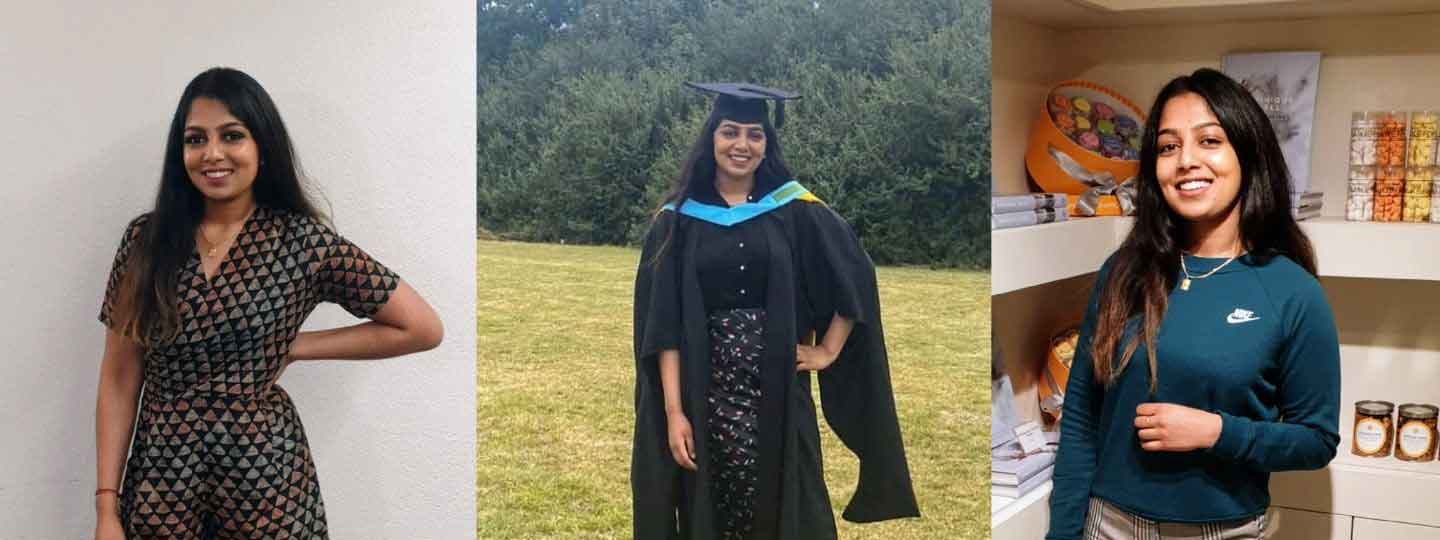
<point x="351" y="278"/>
<point x="118" y="267"/>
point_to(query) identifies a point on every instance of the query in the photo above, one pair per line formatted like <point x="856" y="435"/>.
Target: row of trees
<point x="584" y="123"/>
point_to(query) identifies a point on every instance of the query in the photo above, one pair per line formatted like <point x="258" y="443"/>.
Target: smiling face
<point x="220" y="154"/>
<point x="739" y="148"/>
<point x="1198" y="170"/>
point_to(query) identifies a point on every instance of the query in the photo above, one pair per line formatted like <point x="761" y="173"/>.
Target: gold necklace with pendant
<point x="1185" y="283"/>
<point x="215" y="247"/>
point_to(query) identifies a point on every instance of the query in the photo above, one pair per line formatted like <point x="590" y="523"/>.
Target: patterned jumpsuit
<point x="219" y="451"/>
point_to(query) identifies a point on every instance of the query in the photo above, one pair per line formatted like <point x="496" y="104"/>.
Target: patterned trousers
<point x="1106" y="522"/>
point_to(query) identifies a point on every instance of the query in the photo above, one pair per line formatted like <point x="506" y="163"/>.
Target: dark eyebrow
<point x="236" y="123"/>
<point x="737" y="125"/>
<point x="1195" y="127"/>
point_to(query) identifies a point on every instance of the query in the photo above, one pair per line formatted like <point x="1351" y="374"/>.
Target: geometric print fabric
<point x="219" y="450"/>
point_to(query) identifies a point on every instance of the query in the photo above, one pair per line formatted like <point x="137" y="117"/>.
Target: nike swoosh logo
<point x="1241" y="316"/>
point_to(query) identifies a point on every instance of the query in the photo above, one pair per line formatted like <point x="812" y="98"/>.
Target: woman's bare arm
<point x="818" y="357"/>
<point x="405" y="324"/>
<point x="122" y="369"/>
<point x="678" y="431"/>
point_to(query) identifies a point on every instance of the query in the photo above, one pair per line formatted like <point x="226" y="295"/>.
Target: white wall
<point x="379" y="99"/>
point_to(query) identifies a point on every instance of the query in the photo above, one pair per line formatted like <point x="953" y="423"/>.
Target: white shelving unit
<point x="1381" y="278"/>
<point x="1082" y="243"/>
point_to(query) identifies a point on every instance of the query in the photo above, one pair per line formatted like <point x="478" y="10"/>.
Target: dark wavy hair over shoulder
<point x="164" y="245"/>
<point x="1144" y="269"/>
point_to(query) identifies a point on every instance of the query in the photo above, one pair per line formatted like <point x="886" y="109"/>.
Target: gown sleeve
<point x="653" y="472"/>
<point x="1079" y="431"/>
<point x="349" y="277"/>
<point x="657" y="296"/>
<point x="855" y="391"/>
<point x="113" y="285"/>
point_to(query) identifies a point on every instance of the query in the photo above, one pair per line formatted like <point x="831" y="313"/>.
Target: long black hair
<point x="168" y="237"/>
<point x="699" y="169"/>
<point x="1145" y="268"/>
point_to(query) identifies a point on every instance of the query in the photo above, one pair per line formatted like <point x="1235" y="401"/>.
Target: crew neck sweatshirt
<point x="1255" y="343"/>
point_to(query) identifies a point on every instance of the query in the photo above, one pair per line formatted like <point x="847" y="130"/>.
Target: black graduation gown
<point x="817" y="269"/>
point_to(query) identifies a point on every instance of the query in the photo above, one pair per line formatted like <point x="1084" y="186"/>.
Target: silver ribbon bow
<point x="1099" y="183"/>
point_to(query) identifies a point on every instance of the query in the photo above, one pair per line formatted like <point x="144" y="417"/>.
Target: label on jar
<point x="1369" y="435"/>
<point x="1364" y="129"/>
<point x="1423" y="129"/>
<point x="1414" y="439"/>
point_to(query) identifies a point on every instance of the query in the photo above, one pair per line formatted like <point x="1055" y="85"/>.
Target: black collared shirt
<point x="731" y="262"/>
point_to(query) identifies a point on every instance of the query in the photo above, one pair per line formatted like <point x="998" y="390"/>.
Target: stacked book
<point x="1306" y="205"/>
<point x="1015" y="477"/>
<point x="1008" y="211"/>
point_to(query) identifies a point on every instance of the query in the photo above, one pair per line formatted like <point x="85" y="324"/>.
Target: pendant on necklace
<point x="1185" y="284"/>
<point x="211" y="253"/>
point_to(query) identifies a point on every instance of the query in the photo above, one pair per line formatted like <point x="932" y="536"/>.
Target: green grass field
<point x="555" y="395"/>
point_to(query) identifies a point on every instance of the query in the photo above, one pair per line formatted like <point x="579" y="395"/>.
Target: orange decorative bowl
<point x="1083" y="120"/>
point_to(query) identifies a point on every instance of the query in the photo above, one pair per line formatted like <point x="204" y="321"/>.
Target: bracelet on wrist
<point x="107" y="490"/>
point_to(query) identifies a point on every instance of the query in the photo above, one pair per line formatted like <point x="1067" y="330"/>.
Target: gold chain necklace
<point x="213" y="246"/>
<point x="1185" y="283"/>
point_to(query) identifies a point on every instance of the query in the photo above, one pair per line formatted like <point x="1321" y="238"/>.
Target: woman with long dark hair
<point x="746" y="285"/>
<point x="1208" y="357"/>
<point x="203" y="308"/>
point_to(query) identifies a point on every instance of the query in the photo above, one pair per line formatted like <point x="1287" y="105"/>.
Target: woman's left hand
<point x="813" y="357"/>
<point x="1167" y="427"/>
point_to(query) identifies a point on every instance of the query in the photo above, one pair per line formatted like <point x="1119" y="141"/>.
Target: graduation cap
<point x="744" y="102"/>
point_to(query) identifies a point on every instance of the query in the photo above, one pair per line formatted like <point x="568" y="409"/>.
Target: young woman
<point x="1208" y="356"/>
<point x="746" y="285"/>
<point x="203" y="309"/>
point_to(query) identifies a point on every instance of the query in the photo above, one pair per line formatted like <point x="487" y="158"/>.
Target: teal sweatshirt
<point x="1254" y="343"/>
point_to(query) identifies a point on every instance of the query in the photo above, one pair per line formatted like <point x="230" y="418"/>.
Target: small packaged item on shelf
<point x="1418" y="180"/>
<point x="1416" y="208"/>
<point x="1389" y="181"/>
<point x="1086" y="142"/>
<point x="1388" y="207"/>
<point x="1057" y="373"/>
<point x="1390" y="139"/>
<point x="1422" y="138"/>
<point x="1415" y="440"/>
<point x="1364" y="134"/>
<point x="1360" y="207"/>
<point x="1374" y="429"/>
<point x="1362" y="180"/>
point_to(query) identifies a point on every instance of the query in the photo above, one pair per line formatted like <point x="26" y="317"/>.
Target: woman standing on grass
<point x="747" y="284"/>
<point x="1208" y="357"/>
<point x="203" y="309"/>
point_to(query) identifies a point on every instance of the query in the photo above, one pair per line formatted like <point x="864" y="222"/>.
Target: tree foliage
<point x="583" y="122"/>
